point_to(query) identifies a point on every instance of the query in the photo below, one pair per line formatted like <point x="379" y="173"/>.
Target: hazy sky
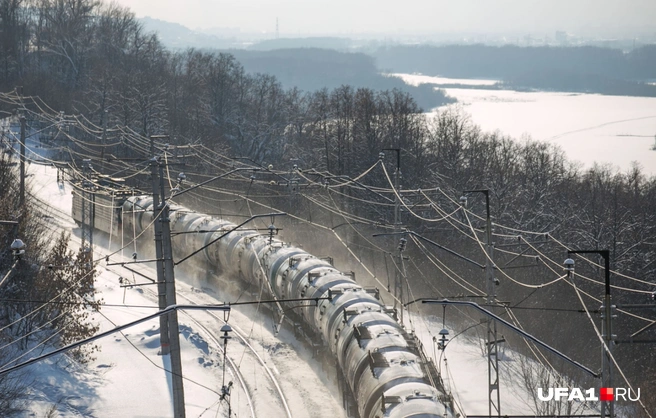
<point x="360" y="16"/>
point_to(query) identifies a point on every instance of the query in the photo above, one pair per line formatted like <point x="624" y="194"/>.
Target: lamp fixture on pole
<point x="225" y="389"/>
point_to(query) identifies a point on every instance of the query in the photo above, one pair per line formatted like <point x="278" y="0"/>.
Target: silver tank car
<point x="381" y="362"/>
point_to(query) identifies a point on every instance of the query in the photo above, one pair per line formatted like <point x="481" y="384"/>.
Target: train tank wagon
<point x="107" y="213"/>
<point x="386" y="370"/>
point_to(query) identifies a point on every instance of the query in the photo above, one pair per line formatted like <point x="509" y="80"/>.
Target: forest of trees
<point x="46" y="299"/>
<point x="313" y="69"/>
<point x="585" y="68"/>
<point x="91" y="59"/>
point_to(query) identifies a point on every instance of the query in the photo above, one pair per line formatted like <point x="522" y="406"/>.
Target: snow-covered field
<point x="590" y="128"/>
<point x="417" y="79"/>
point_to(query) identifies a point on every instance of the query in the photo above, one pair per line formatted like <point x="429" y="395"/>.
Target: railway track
<point x="59" y="218"/>
<point x="284" y="409"/>
<point x="233" y="366"/>
<point x="209" y="334"/>
<point x="284" y="406"/>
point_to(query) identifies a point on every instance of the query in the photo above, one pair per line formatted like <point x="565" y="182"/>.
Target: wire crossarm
<point x="512" y="327"/>
<point x="114" y="330"/>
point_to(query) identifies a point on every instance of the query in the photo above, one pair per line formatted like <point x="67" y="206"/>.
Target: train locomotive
<point x="383" y="365"/>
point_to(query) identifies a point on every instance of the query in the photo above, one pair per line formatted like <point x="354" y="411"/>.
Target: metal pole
<point x="88" y="218"/>
<point x="103" y="141"/>
<point x="223" y="386"/>
<point x="22" y="160"/>
<point x="398" y="276"/>
<point x="492" y="340"/>
<point x="398" y="280"/>
<point x="606" y="330"/>
<point x="225" y="390"/>
<point x="492" y="343"/>
<point x="174" y="333"/>
<point x="608" y="335"/>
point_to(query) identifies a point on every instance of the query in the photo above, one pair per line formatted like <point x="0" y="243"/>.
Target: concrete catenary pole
<point x="169" y="274"/>
<point x="159" y="255"/>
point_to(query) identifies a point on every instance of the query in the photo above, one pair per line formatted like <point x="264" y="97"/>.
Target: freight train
<point x="383" y="365"/>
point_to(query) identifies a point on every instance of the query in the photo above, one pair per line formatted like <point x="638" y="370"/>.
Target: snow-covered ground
<point x="128" y="378"/>
<point x="590" y="128"/>
<point x="417" y="79"/>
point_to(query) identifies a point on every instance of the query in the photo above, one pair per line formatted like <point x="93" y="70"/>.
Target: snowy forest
<point x="95" y="60"/>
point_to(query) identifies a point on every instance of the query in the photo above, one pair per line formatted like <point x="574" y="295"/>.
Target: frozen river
<point x="617" y="130"/>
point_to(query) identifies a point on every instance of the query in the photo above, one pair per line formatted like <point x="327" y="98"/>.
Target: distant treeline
<point x="313" y="69"/>
<point x="587" y="68"/>
<point x="339" y="44"/>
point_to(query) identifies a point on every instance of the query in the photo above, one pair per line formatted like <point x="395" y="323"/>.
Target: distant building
<point x="562" y="37"/>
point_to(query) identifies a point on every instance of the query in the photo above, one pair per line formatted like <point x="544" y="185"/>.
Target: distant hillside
<point x="312" y="69"/>
<point x="592" y="69"/>
<point x="177" y="36"/>
<point x="309" y="64"/>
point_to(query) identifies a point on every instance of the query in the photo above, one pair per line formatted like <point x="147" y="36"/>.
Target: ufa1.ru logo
<point x="576" y="394"/>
